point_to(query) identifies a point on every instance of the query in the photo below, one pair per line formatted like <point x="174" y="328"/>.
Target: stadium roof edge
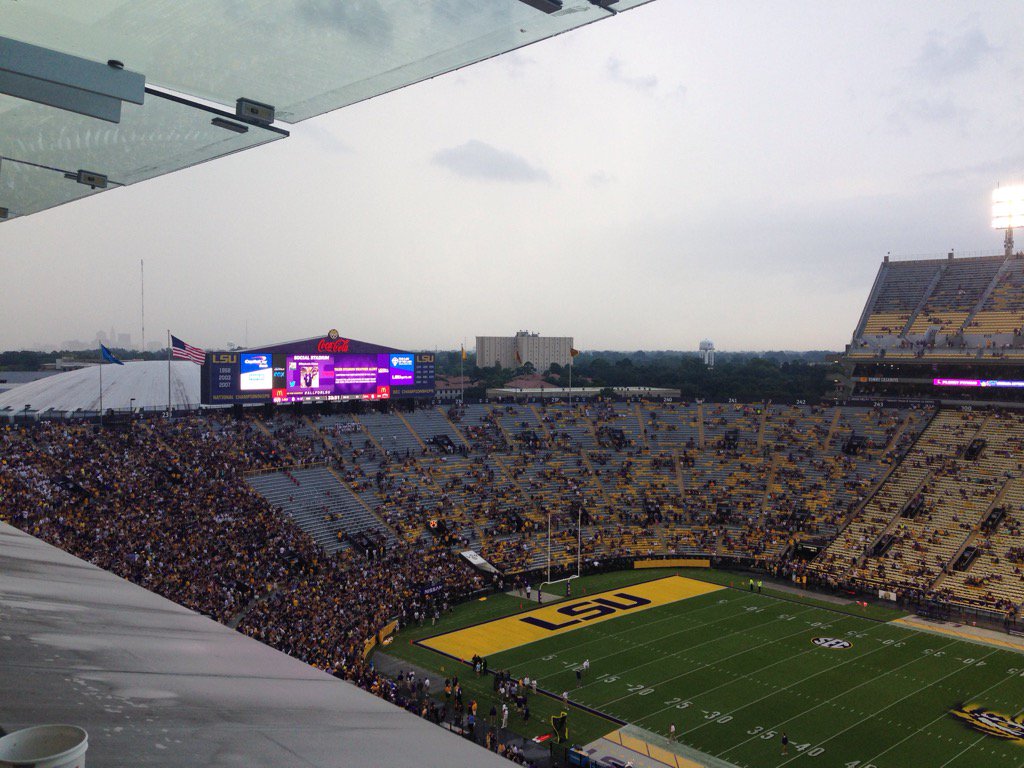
<point x="306" y="340"/>
<point x="287" y="62"/>
<point x="924" y="259"/>
<point x="197" y="692"/>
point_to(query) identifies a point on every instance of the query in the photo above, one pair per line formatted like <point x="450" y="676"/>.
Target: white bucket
<point x="45" y="746"/>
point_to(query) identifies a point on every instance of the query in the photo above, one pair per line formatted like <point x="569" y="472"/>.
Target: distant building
<point x="11" y="379"/>
<point x="525" y="347"/>
<point x="69" y="364"/>
<point x="451" y="387"/>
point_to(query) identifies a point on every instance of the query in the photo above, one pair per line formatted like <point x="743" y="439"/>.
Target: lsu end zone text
<point x="530" y="626"/>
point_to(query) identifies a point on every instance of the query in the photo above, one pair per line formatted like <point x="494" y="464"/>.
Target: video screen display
<point x="343" y="377"/>
<point x="255" y="372"/>
<point x="977" y="383"/>
<point x="316" y="370"/>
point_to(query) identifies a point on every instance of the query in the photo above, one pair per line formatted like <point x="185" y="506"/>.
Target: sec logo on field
<point x="832" y="643"/>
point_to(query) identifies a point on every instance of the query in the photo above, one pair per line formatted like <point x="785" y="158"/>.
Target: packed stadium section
<point x="319" y="528"/>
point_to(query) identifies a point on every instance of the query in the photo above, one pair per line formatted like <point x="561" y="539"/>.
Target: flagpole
<point x="101" y="387"/>
<point x="462" y="375"/>
<point x="168" y="373"/>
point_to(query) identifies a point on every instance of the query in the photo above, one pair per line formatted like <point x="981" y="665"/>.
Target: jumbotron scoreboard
<point x="321" y="369"/>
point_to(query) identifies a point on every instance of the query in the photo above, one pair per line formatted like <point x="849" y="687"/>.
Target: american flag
<point x="186" y="351"/>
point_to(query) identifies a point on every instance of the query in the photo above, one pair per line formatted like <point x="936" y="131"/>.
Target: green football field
<point x="735" y="670"/>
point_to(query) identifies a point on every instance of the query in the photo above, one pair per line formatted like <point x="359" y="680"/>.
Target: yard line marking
<point x="803" y="680"/>
<point x="970" y="746"/>
<point x="603" y="635"/>
<point x="889" y="706"/>
<point x="743" y="629"/>
<point x="838" y="695"/>
<point x="944" y="714"/>
<point x="708" y="664"/>
<point x="784" y="660"/>
<point x="540" y="623"/>
<point x="634" y="646"/>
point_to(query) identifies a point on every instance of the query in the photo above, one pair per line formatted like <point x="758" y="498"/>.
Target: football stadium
<point x="602" y="582"/>
<point x="321" y="552"/>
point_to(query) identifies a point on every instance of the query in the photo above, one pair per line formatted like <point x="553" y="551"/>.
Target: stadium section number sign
<point x="530" y="626"/>
<point x="330" y="368"/>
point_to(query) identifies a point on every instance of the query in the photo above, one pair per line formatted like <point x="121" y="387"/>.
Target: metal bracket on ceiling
<point x="68" y="82"/>
<point x="223" y="119"/>
<point x="90" y="179"/>
<point x="547" y="6"/>
<point x="255" y="112"/>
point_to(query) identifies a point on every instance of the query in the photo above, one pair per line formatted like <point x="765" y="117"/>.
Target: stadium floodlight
<point x="1008" y="207"/>
<point x="1008" y="212"/>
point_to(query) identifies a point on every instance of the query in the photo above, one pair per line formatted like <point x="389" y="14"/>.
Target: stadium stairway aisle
<point x="320" y="504"/>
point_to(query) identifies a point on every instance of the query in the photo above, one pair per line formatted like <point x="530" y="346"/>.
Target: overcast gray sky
<point x="686" y="170"/>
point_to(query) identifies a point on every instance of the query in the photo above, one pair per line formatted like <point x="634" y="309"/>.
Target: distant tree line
<point x="26" y="360"/>
<point x="745" y="376"/>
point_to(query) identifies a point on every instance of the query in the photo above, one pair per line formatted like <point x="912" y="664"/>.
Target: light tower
<point x="1008" y="212"/>
<point x="707" y="352"/>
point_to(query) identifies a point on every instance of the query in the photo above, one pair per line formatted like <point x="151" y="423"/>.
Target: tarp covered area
<point x="139" y="385"/>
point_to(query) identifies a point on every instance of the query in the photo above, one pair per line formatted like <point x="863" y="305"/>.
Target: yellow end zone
<point x="528" y="627"/>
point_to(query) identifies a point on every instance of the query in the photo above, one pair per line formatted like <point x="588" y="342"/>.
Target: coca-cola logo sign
<point x="332" y="345"/>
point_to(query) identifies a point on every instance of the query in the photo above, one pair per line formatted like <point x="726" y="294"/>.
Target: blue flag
<point x="108" y="356"/>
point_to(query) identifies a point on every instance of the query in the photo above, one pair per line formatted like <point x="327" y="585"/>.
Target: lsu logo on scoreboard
<point x="588" y="610"/>
<point x="223" y="357"/>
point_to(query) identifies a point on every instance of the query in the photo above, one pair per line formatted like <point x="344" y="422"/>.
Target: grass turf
<point x="734" y="670"/>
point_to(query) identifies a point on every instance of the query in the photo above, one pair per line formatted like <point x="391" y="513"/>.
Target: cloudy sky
<point x="686" y="170"/>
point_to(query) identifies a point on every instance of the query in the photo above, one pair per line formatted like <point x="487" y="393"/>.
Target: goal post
<point x="579" y="554"/>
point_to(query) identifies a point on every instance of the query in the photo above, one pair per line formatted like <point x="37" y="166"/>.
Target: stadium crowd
<point x="635" y="492"/>
<point x="749" y="492"/>
<point x="166" y="505"/>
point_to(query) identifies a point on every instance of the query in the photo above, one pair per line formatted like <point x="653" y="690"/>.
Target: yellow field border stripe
<point x="673" y="562"/>
<point x="969" y="636"/>
<point x="659" y="755"/>
<point x="530" y="626"/>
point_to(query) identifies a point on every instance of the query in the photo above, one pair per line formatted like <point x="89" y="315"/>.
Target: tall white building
<point x="524" y="347"/>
